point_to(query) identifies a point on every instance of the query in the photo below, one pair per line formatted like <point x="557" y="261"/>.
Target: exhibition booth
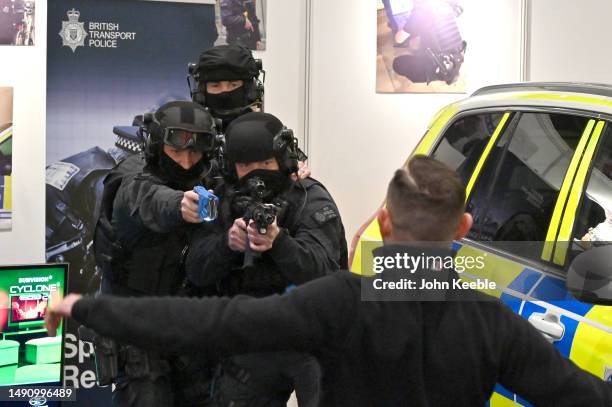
<point x="77" y="69"/>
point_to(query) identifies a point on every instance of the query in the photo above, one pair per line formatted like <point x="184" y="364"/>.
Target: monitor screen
<point x="27" y="354"/>
<point x="24" y="308"/>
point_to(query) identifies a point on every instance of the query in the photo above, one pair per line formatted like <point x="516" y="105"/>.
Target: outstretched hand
<point x="57" y="309"/>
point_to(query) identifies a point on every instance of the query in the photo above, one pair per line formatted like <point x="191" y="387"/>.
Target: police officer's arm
<point x="157" y="206"/>
<point x="231" y="14"/>
<point x="317" y="316"/>
<point x="534" y="369"/>
<point x="209" y="258"/>
<point x="314" y="249"/>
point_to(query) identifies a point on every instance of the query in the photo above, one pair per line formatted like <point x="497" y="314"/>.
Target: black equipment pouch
<point x="107" y="360"/>
<point x="140" y="364"/>
<point x="106" y="356"/>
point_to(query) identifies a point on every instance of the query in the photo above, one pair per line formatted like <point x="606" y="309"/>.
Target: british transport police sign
<point x="107" y="62"/>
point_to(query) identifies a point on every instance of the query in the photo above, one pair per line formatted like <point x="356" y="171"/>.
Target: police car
<point x="6" y="148"/>
<point x="536" y="159"/>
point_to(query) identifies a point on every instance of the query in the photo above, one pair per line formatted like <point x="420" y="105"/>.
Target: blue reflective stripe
<point x="552" y="290"/>
<point x="525" y="281"/>
<point x="565" y="345"/>
<point x="513" y="302"/>
<point x="523" y="402"/>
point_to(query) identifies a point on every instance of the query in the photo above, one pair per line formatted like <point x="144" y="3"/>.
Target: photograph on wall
<point x="420" y="47"/>
<point x="108" y="63"/>
<point x="6" y="157"/>
<point x="17" y="22"/>
<point x="242" y="22"/>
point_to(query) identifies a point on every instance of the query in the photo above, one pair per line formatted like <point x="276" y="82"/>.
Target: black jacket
<point x="372" y="353"/>
<point x="311" y="244"/>
<point x="142" y="253"/>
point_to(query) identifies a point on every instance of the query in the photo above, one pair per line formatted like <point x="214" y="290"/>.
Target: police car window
<point x="515" y="195"/>
<point x="464" y="142"/>
<point x="593" y="223"/>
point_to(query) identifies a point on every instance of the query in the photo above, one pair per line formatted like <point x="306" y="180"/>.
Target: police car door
<point x="514" y="165"/>
<point x="583" y="220"/>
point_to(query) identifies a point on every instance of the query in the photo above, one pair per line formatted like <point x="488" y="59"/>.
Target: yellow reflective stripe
<point x="592" y="347"/>
<point x="485" y="154"/>
<point x="356" y="264"/>
<point x="437" y="124"/>
<point x="497" y="400"/>
<point x="5" y="136"/>
<point x="572" y="205"/>
<point x="371" y="233"/>
<point x="8" y="193"/>
<point x="553" y="228"/>
<point x="567" y="98"/>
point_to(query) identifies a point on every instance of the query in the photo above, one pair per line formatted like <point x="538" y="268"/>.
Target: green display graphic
<point x="27" y="354"/>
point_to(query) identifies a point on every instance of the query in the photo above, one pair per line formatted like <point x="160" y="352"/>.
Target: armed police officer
<point x="272" y="233"/>
<point x="228" y="82"/>
<point x="74" y="185"/>
<point x="143" y="229"/>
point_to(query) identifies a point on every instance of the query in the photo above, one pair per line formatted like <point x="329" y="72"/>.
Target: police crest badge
<point x="73" y="32"/>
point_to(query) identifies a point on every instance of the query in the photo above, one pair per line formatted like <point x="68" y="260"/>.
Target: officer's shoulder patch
<point x="325" y="214"/>
<point x="60" y="173"/>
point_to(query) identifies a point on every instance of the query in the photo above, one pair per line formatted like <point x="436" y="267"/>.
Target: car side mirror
<point x="589" y="277"/>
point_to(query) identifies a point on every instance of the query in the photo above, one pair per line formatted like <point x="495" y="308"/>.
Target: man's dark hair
<point x="425" y="200"/>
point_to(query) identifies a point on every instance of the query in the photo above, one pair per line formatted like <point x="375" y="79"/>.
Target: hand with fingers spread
<point x="57" y="309"/>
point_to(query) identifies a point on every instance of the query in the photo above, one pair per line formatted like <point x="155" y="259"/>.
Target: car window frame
<point x="516" y="112"/>
<point x="606" y="131"/>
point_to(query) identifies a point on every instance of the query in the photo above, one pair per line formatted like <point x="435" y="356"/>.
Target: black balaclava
<point x="228" y="106"/>
<point x="177" y="176"/>
<point x="227" y="63"/>
<point x="250" y="138"/>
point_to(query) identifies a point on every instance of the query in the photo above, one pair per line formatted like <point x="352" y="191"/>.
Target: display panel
<point x="27" y="354"/>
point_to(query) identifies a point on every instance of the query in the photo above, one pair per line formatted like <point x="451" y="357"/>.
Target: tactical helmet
<point x="180" y="124"/>
<point x="226" y="63"/>
<point x="257" y="136"/>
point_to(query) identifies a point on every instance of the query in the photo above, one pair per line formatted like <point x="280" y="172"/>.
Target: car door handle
<point x="548" y="324"/>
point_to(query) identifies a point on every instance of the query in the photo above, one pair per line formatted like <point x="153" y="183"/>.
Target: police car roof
<point x="591" y="98"/>
<point x="599" y="89"/>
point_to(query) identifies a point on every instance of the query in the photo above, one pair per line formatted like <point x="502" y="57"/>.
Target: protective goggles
<point x="181" y="139"/>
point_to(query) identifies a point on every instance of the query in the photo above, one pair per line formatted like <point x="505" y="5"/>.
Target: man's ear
<point x="464" y="226"/>
<point x="384" y="223"/>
